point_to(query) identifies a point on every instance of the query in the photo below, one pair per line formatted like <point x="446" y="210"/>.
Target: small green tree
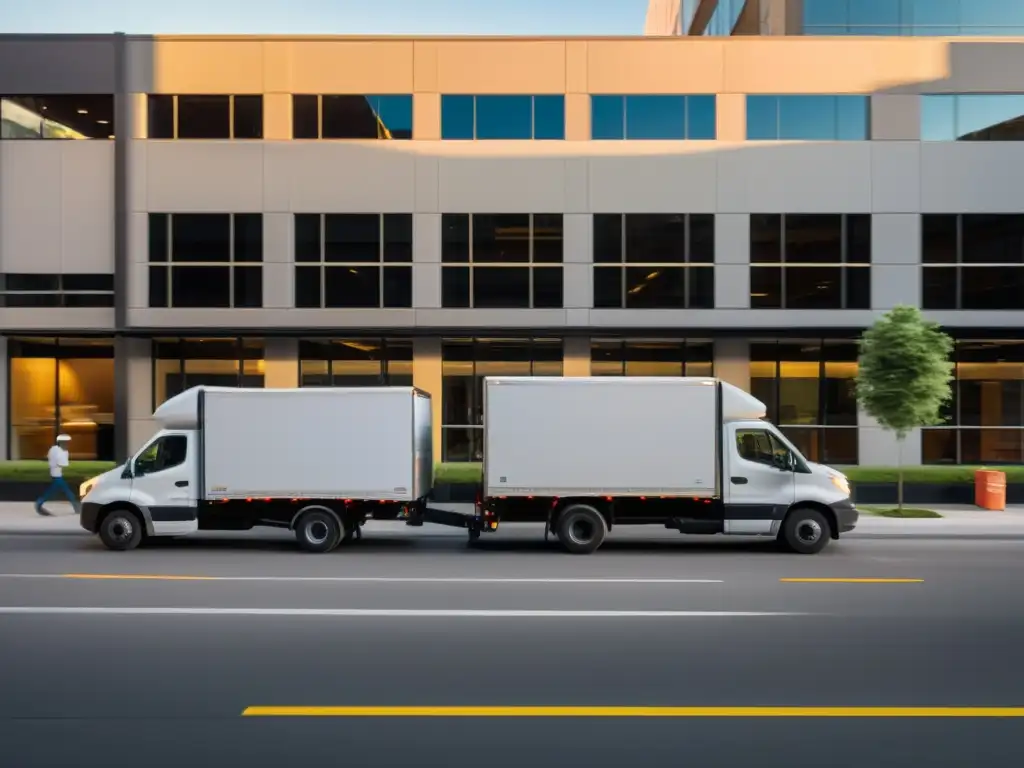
<point x="904" y="374"/>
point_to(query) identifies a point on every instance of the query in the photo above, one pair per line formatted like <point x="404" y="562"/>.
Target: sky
<point x="327" y="17"/>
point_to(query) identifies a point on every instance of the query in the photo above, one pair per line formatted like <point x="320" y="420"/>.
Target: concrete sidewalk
<point x="21" y="518"/>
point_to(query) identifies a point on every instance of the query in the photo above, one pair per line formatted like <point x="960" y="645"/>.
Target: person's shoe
<point x="41" y="511"/>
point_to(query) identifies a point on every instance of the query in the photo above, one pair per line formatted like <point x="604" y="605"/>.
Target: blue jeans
<point x="58" y="484"/>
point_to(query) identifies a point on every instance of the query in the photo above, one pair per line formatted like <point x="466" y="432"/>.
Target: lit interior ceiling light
<point x="103" y="122"/>
<point x="83" y="111"/>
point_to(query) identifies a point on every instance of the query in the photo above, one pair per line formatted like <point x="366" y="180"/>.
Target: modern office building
<point x="286" y="212"/>
<point x="865" y="18"/>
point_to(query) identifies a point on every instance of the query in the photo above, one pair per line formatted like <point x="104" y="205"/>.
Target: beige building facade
<point x="289" y="212"/>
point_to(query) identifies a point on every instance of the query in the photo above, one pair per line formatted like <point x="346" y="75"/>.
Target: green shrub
<point x="39" y="471"/>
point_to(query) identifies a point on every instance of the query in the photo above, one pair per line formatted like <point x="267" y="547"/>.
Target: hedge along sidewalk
<point x="459" y="473"/>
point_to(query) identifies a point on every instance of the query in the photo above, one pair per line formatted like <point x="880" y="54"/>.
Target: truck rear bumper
<point x="846" y="515"/>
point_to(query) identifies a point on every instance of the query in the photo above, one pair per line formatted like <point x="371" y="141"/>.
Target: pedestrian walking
<point x="57" y="457"/>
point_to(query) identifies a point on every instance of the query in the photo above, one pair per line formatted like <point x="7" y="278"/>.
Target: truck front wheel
<point x="121" y="530"/>
<point x="805" y="531"/>
<point x="318" y="531"/>
<point x="581" y="529"/>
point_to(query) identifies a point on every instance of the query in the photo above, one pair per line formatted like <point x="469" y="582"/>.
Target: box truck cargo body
<point x="583" y="455"/>
<point x="319" y="461"/>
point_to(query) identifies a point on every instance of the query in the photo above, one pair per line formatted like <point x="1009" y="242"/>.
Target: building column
<point x="133" y="394"/>
<point x="281" y="363"/>
<point x="5" y="428"/>
<point x="576" y="356"/>
<point x="878" y="447"/>
<point x="426" y="375"/>
<point x="732" y="362"/>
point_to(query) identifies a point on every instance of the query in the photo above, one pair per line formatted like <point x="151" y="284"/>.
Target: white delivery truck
<point x="582" y="455"/>
<point x="315" y="461"/>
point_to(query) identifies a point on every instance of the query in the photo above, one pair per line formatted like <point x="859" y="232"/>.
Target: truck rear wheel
<point x="121" y="530"/>
<point x="581" y="529"/>
<point x="318" y="531"/>
<point x="805" y="531"/>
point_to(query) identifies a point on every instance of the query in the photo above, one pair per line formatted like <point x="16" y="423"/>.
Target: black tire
<point x="805" y="531"/>
<point x="318" y="531"/>
<point x="121" y="530"/>
<point x="581" y="529"/>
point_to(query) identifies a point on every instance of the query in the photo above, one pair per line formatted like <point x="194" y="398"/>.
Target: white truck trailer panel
<point x="358" y="443"/>
<point x="548" y="436"/>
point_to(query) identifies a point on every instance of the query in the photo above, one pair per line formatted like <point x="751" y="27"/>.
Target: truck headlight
<point x="841" y="483"/>
<point x="87" y="486"/>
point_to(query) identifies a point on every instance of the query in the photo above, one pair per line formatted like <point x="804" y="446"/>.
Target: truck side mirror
<point x="783" y="462"/>
<point x="126" y="473"/>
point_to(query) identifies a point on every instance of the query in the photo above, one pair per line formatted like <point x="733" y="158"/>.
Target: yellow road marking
<point x="851" y="581"/>
<point x="133" y="577"/>
<point x="678" y="712"/>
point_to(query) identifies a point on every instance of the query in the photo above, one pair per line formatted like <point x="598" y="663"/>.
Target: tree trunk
<point x="899" y="476"/>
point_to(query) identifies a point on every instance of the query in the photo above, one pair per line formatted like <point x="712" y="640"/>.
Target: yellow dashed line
<point x="678" y="712"/>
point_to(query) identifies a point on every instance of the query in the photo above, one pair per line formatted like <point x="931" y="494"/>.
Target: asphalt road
<point x="157" y="671"/>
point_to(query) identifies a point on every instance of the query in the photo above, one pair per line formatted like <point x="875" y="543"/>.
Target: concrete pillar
<point x="576" y="356"/>
<point x="281" y="363"/>
<point x="137" y="388"/>
<point x="879" y="448"/>
<point x="277" y="116"/>
<point x="426" y="375"/>
<point x="732" y="362"/>
<point x="731" y="117"/>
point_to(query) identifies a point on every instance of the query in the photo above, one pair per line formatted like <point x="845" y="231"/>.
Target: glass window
<point x="653" y="261"/>
<point x="61" y="385"/>
<point x="505" y="117"/>
<point x="808" y="118"/>
<point x="810" y="261"/>
<point x="19" y="289"/>
<point x="650" y="357"/>
<point x="57" y="117"/>
<point x="179" y="364"/>
<point x="972" y="117"/>
<point x="359" y="362"/>
<point x="164" y="453"/>
<point x="353" y="260"/>
<point x="305" y="116"/>
<point x="506" y="260"/>
<point x="807" y="388"/>
<point x="972" y="261"/>
<point x="655" y="117"/>
<point x="214" y="116"/>
<point x="985" y="419"/>
<point x="206" y="260"/>
<point x="465" y="363"/>
<point x="351" y="116"/>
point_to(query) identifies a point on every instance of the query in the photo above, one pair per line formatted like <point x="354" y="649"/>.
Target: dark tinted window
<point x="248" y="118"/>
<point x="457" y="117"/>
<point x="305" y="116"/>
<point x="204" y="117"/>
<point x="248" y="236"/>
<point x="57" y="117"/>
<point x="662" y="117"/>
<point x="201" y="237"/>
<point x="161" y="116"/>
<point x="677" y="254"/>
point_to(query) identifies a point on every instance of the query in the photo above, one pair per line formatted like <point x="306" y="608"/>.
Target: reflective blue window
<point x="456" y="117"/>
<point x="502" y="117"/>
<point x="724" y="18"/>
<point x="808" y="118"/>
<point x="549" y="118"/>
<point x="654" y="117"/>
<point x="943" y="18"/>
<point x="395" y="113"/>
<point x="973" y="117"/>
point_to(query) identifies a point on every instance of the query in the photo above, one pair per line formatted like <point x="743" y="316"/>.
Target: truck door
<point x="759" y="475"/>
<point x="164" y="482"/>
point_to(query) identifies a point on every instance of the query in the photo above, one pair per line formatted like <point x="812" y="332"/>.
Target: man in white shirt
<point x="57" y="457"/>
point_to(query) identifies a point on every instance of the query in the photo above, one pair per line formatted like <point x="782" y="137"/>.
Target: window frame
<point x="777" y="104"/>
<point x="623" y="108"/>
<point x="623" y="265"/>
<point x="231" y="117"/>
<point x="381" y="263"/>
<point x="167" y="266"/>
<point x="369" y="97"/>
<point x="843" y="265"/>
<point x="471" y="265"/>
<point x="533" y="115"/>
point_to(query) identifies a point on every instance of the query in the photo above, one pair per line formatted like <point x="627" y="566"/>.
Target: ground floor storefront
<point x="102" y="390"/>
